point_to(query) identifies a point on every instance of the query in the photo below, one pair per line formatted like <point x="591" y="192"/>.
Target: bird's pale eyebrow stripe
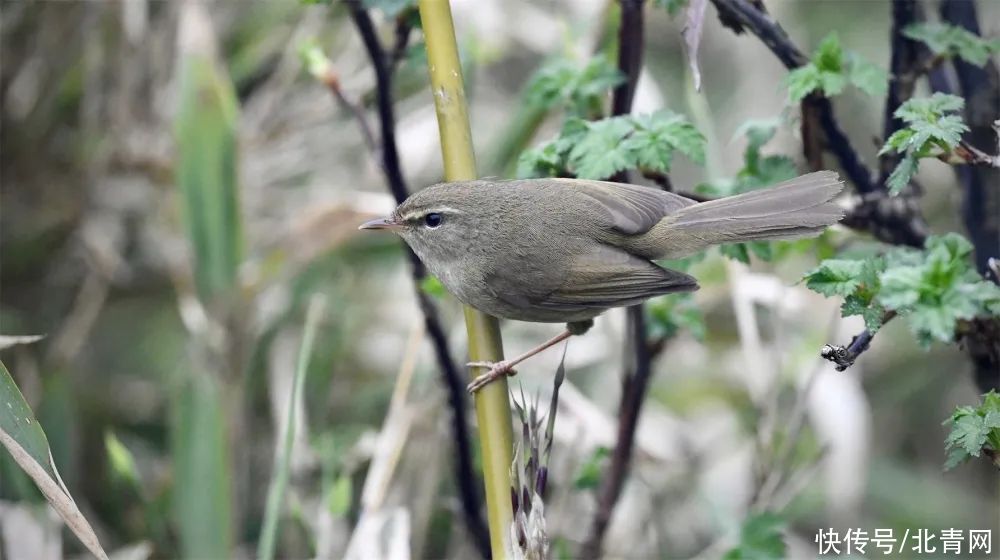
<point x="423" y="212"/>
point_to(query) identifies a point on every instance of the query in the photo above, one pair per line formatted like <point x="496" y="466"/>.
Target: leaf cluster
<point x="599" y="149"/>
<point x="758" y="171"/>
<point x="830" y="70"/>
<point x="582" y="90"/>
<point x="973" y="429"/>
<point x="952" y="41"/>
<point x="933" y="288"/>
<point x="931" y="128"/>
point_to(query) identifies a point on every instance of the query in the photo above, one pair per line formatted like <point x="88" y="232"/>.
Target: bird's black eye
<point x="433" y="220"/>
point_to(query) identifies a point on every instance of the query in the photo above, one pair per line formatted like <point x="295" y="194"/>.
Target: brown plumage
<point x="566" y="250"/>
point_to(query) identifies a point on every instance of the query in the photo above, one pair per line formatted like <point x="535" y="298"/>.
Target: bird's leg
<point x="506" y="367"/>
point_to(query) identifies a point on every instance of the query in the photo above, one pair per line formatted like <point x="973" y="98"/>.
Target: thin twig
<point x="636" y="381"/>
<point x="389" y="160"/>
<point x="332" y="82"/>
<point x="844" y="356"/>
<point x="967" y="153"/>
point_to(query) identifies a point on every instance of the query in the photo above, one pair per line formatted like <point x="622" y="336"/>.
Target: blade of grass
<point x="492" y="406"/>
<point x="279" y="478"/>
<point x="206" y="140"/>
<point x="202" y="485"/>
<point x="23" y="437"/>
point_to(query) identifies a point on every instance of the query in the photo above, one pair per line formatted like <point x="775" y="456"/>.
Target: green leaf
<point x="898" y="142"/>
<point x="956" y="456"/>
<point x="201" y="479"/>
<point x="801" y="82"/>
<point x="969" y="432"/>
<point x="562" y="81"/>
<point x="871" y="312"/>
<point x="830" y="70"/>
<point x="599" y="149"/>
<point x="736" y="251"/>
<point x="338" y="498"/>
<point x="315" y="61"/>
<point x="120" y="459"/>
<point x="432" y="286"/>
<point x="835" y="277"/>
<point x="589" y="475"/>
<point x="901" y="287"/>
<point x="22" y="436"/>
<point x="902" y="174"/>
<point x="761" y="538"/>
<point x="599" y="154"/>
<point x="282" y="461"/>
<point x="670" y="314"/>
<point x="972" y="429"/>
<point x="829" y="56"/>
<point x="657" y="135"/>
<point x="867" y="77"/>
<point x="205" y="130"/>
<point x="950" y="40"/>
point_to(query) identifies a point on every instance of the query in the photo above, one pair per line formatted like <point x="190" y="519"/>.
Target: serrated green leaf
<point x="929" y="108"/>
<point x="950" y="40"/>
<point x="956" y="456"/>
<point x="969" y="433"/>
<point x="832" y="83"/>
<point x="801" y="82"/>
<point x="931" y="323"/>
<point x="829" y="56"/>
<point x="871" y="312"/>
<point x="563" y="81"/>
<point x="902" y="174"/>
<point x="599" y="153"/>
<point x="868" y="77"/>
<point x="901" y="287"/>
<point x="835" y="277"/>
<point x="991" y="419"/>
<point x="898" y="142"/>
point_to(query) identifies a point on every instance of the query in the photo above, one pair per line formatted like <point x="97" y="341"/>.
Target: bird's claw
<point x="497" y="369"/>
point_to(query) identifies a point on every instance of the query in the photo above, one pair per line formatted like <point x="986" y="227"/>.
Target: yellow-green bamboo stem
<point x="492" y="406"/>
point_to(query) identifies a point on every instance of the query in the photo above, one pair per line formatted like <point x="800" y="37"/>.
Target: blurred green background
<point x="176" y="189"/>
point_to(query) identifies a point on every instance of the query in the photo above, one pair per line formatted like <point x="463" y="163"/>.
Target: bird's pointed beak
<point x="382" y="223"/>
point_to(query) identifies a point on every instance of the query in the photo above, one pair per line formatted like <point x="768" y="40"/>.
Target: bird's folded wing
<point x="630" y="209"/>
<point x="607" y="277"/>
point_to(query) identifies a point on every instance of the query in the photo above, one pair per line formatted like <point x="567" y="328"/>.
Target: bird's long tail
<point x="800" y="207"/>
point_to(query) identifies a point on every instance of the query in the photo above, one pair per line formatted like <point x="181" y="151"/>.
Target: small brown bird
<point x="566" y="250"/>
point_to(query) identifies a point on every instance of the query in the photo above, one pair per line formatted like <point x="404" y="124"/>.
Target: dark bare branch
<point x="845" y="356"/>
<point x="636" y="378"/>
<point x="466" y="480"/>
